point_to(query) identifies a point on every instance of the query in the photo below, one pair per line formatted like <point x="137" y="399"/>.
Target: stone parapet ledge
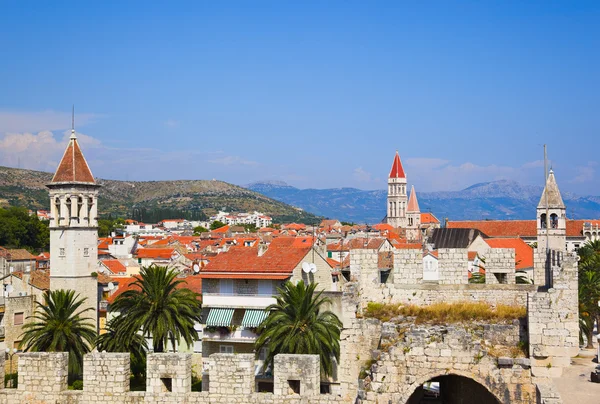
<point x="43" y="371"/>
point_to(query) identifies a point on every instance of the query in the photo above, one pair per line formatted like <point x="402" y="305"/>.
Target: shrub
<point x="14" y="377"/>
<point x="77" y="385"/>
<point x="444" y="313"/>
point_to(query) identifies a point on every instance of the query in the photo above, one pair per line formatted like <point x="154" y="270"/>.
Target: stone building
<point x="397" y="200"/>
<point x="74" y="227"/>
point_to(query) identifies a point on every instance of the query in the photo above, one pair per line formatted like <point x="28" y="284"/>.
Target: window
<point x="86" y="252"/>
<point x="18" y="318"/>
<point x="226" y="286"/>
<point x="61" y="252"/>
<point x="17" y="344"/>
<point x="294" y="386"/>
<point x="105" y="294"/>
<point x="264" y="287"/>
<point x="226" y="348"/>
<point x="554" y="221"/>
<point x="543" y="221"/>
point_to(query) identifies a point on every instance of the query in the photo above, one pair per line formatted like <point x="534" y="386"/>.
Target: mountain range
<point x="502" y="199"/>
<point x="27" y="188"/>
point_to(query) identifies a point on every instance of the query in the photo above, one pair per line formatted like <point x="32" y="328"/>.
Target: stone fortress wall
<point x="551" y="328"/>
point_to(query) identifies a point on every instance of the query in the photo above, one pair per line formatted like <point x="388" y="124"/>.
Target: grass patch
<point x="446" y="313"/>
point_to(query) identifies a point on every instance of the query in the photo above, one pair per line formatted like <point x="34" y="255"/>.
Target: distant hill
<point x="27" y="188"/>
<point x="490" y="200"/>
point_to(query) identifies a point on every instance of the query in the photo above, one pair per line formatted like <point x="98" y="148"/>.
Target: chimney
<point x="262" y="248"/>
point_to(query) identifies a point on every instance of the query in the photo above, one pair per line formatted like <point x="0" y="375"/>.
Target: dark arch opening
<point x="452" y="389"/>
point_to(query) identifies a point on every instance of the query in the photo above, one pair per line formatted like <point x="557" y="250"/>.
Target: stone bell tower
<point x="397" y="200"/>
<point x="551" y="232"/>
<point x="74" y="227"/>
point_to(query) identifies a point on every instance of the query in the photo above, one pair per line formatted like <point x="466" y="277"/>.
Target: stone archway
<point x="452" y="389"/>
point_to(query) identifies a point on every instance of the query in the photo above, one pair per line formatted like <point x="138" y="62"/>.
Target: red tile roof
<point x="158" y="253"/>
<point x="20" y="255"/>
<point x="294" y="226"/>
<point x="223" y="229"/>
<point x="279" y="260"/>
<point x="499" y="228"/>
<point x="517" y="228"/>
<point x="73" y="167"/>
<point x="114" y="266"/>
<point x="397" y="171"/>
<point x="471" y="255"/>
<point x="427" y="218"/>
<point x="295" y="242"/>
<point x="523" y="252"/>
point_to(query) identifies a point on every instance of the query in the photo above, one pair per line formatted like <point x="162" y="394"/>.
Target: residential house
<point x="237" y="287"/>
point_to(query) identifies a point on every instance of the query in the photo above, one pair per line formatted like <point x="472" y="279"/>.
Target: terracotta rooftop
<point x="523" y="252"/>
<point x="73" y="167"/>
<point x="114" y="266"/>
<point x="428" y="218"/>
<point x="276" y="260"/>
<point x="20" y="255"/>
<point x="158" y="253"/>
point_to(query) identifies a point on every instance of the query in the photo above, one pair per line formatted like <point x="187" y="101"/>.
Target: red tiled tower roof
<point x="413" y="204"/>
<point x="397" y="170"/>
<point x="73" y="167"/>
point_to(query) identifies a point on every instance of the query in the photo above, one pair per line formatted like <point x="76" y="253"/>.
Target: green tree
<point x="115" y="339"/>
<point x="199" y="230"/>
<point x="19" y="229"/>
<point x="589" y="289"/>
<point x="251" y="228"/>
<point x="58" y="325"/>
<point x="159" y="308"/>
<point x="298" y="324"/>
<point x="216" y="224"/>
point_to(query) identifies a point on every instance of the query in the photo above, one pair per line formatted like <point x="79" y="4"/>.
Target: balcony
<point x="249" y="301"/>
<point x="2" y="332"/>
<point x="239" y="335"/>
<point x="103" y="305"/>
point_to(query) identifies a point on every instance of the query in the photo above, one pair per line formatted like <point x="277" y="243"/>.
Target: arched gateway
<point x="451" y="389"/>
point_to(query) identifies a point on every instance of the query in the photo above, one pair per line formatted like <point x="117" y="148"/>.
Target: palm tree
<point x="114" y="340"/>
<point x="58" y="326"/>
<point x="298" y="324"/>
<point x="589" y="295"/>
<point x="159" y="308"/>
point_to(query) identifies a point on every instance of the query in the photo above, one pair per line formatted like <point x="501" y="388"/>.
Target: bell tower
<point x="397" y="200"/>
<point x="74" y="227"/>
<point x="551" y="232"/>
<point x="413" y="214"/>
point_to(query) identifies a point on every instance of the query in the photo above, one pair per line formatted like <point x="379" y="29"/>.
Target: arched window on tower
<point x="410" y="221"/>
<point x="543" y="221"/>
<point x="68" y="208"/>
<point x="554" y="221"/>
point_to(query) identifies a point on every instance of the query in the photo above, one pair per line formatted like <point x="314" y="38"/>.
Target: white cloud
<point x="40" y="151"/>
<point x="363" y="176"/>
<point x="584" y="173"/>
<point x="49" y="120"/>
<point x="232" y="160"/>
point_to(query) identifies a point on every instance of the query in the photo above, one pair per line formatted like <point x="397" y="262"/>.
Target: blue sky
<point x="316" y="94"/>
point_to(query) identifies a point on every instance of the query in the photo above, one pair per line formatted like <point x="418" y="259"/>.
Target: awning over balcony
<point x="219" y="317"/>
<point x="253" y="318"/>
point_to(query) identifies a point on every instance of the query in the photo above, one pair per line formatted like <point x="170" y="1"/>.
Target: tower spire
<point x="73" y="136"/>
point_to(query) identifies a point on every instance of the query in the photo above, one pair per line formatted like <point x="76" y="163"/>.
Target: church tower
<point x="397" y="200"/>
<point x="413" y="214"/>
<point x="74" y="227"/>
<point x="551" y="232"/>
